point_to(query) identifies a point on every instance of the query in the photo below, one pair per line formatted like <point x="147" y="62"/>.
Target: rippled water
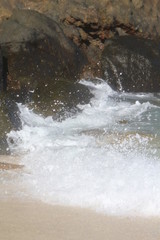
<point x="106" y="157"/>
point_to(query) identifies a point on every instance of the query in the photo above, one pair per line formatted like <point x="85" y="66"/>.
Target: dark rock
<point x="60" y="99"/>
<point x="132" y="64"/>
<point x="4" y="147"/>
<point x="88" y="23"/>
<point x="31" y="36"/>
<point x="5" y="127"/>
<point x="13" y="113"/>
<point x="43" y="65"/>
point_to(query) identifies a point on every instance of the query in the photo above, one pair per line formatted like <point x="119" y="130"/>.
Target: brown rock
<point x="98" y="20"/>
<point x="132" y="64"/>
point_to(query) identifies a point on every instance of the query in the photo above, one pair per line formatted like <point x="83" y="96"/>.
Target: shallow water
<point x="106" y="157"/>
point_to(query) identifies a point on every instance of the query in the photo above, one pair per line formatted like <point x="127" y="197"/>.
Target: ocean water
<point x="106" y="157"/>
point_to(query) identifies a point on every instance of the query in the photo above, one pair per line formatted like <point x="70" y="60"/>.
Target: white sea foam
<point x="102" y="158"/>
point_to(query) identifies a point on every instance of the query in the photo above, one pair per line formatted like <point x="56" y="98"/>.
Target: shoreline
<point x="29" y="219"/>
<point x="35" y="220"/>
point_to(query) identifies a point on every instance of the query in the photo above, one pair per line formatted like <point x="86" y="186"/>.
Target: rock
<point x="132" y="64"/>
<point x="27" y="33"/>
<point x="13" y="113"/>
<point x="5" y="127"/>
<point x="43" y="65"/>
<point x="97" y="21"/>
<point x="60" y="100"/>
<point x="88" y="23"/>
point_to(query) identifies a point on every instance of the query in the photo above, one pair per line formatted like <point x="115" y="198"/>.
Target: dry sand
<point x="38" y="221"/>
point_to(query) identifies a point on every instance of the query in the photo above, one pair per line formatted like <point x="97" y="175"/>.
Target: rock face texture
<point x="39" y="59"/>
<point x="26" y="31"/>
<point x="90" y="22"/>
<point x="132" y="64"/>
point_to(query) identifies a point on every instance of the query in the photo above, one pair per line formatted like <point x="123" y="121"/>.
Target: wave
<point x="105" y="157"/>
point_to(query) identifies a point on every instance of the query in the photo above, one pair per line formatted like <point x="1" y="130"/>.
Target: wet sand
<point x="39" y="221"/>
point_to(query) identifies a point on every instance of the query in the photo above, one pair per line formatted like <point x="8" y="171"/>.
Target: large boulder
<point x="26" y="30"/>
<point x="42" y="64"/>
<point x="132" y="64"/>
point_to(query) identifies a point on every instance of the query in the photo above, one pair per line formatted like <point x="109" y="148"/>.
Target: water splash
<point x="105" y="157"/>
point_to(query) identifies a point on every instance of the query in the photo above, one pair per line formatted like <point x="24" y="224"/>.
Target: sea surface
<point x="106" y="157"/>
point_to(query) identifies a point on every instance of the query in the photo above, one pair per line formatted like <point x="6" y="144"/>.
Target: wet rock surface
<point x="132" y="64"/>
<point x="5" y="127"/>
<point x="40" y="60"/>
<point x="28" y="30"/>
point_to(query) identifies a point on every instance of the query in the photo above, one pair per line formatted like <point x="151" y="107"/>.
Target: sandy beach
<point x="39" y="221"/>
<point x="27" y="219"/>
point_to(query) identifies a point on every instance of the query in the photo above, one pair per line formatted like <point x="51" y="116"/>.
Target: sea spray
<point x="106" y="157"/>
